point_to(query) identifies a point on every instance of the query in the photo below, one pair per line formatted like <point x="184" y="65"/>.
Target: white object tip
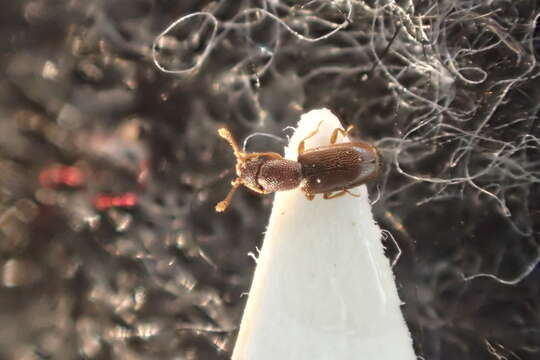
<point x="323" y="289"/>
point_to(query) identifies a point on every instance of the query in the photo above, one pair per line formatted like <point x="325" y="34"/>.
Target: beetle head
<point x="247" y="166"/>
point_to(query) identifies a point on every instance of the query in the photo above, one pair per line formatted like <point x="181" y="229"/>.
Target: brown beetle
<point x="330" y="170"/>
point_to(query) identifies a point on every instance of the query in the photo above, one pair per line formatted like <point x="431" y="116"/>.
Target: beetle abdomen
<point x="279" y="175"/>
<point x="338" y="167"/>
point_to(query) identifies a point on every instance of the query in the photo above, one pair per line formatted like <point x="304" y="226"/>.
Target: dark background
<point x="110" y="168"/>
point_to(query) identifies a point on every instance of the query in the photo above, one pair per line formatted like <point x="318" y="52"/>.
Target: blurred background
<point x="110" y="166"/>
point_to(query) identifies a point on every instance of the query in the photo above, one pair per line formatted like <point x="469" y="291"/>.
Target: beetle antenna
<point x="224" y="204"/>
<point x="226" y="134"/>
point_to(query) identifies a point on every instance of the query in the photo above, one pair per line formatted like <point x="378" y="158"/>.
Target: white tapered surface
<point x="323" y="288"/>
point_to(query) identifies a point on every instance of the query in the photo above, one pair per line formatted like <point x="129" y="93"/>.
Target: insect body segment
<point x="337" y="167"/>
<point x="330" y="170"/>
<point x="263" y="173"/>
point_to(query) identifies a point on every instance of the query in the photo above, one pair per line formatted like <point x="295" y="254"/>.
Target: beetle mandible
<point x="329" y="170"/>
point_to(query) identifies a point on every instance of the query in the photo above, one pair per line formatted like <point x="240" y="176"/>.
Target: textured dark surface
<point x="118" y="254"/>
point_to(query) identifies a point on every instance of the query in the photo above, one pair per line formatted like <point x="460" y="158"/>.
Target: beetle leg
<point x="328" y="195"/>
<point x="309" y="196"/>
<point x="301" y="145"/>
<point x="224" y="204"/>
<point x="337" y="131"/>
<point x="352" y="194"/>
<point x="226" y="134"/>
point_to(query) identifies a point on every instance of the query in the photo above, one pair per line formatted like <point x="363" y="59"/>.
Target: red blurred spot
<point x="127" y="200"/>
<point x="58" y="175"/>
<point x="71" y="176"/>
<point x="102" y="202"/>
<point x="130" y="199"/>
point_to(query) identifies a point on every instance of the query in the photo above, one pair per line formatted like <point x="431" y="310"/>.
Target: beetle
<point x="329" y="170"/>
